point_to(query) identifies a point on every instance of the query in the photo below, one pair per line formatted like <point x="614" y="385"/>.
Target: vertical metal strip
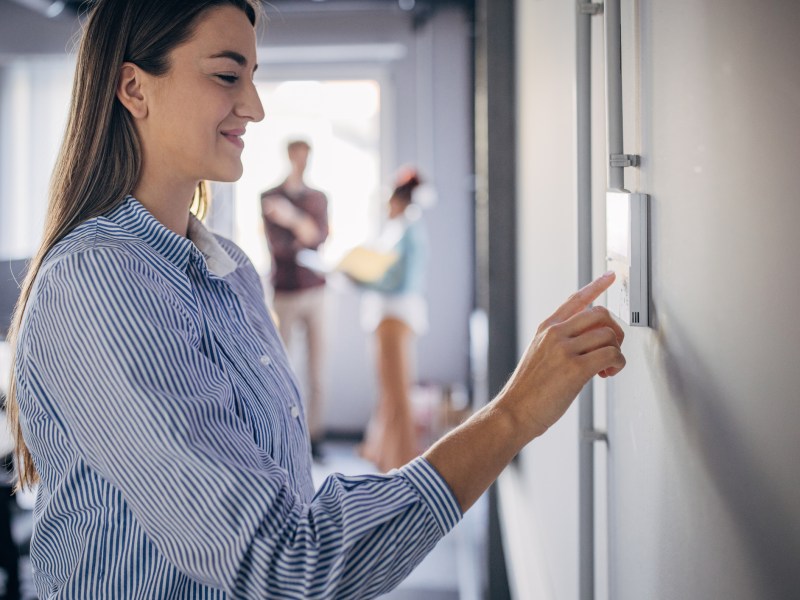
<point x="584" y="216"/>
<point x="495" y="216"/>
<point x="616" y="174"/>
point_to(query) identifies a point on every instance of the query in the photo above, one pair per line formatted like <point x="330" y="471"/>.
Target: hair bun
<point x="407" y="177"/>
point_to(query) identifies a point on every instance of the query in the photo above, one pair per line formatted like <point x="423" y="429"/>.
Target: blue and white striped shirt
<point x="164" y="420"/>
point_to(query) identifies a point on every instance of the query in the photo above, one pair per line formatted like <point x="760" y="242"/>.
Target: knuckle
<point x="616" y="358"/>
<point x="543" y="327"/>
<point x="602" y="312"/>
<point x="610" y="353"/>
<point x="553" y="332"/>
<point x="610" y="336"/>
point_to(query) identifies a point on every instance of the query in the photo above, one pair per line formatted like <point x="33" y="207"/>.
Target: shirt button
<point x="295" y="411"/>
<point x="265" y="360"/>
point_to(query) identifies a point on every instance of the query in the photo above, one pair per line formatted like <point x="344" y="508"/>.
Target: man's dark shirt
<point x="287" y="275"/>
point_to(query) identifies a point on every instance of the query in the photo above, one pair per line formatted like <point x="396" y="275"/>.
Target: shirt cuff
<point x="434" y="491"/>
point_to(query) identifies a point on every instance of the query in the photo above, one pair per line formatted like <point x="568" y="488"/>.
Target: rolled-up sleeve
<point x="116" y="363"/>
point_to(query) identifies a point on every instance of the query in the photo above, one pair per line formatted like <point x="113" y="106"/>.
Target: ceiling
<point x="287" y="6"/>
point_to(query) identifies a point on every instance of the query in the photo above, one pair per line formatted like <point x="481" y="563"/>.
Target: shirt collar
<point x="218" y="261"/>
<point x="134" y="217"/>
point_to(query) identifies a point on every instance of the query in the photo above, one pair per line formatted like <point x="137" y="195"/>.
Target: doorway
<point x="341" y="120"/>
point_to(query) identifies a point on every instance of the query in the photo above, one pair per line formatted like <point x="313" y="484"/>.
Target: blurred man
<point x="296" y="218"/>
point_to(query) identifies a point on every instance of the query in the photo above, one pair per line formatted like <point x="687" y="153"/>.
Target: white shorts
<point x="409" y="308"/>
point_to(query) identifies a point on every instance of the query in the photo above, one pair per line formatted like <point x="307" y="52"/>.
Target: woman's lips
<point x="234" y="136"/>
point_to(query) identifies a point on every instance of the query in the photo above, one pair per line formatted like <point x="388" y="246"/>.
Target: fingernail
<point x="608" y="274"/>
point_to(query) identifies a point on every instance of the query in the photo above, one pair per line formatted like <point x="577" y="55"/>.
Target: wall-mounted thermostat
<point x="626" y="239"/>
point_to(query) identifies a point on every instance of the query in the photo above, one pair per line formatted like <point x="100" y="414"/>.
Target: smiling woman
<point x="151" y="398"/>
<point x="191" y="119"/>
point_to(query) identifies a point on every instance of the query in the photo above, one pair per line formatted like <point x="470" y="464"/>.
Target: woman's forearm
<point x="473" y="455"/>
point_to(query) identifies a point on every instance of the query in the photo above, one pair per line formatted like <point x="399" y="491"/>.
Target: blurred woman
<point x="395" y="309"/>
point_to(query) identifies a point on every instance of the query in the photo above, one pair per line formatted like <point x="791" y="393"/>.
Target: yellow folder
<point x="366" y="265"/>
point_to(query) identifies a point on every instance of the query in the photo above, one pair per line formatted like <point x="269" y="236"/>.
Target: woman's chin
<point x="230" y="174"/>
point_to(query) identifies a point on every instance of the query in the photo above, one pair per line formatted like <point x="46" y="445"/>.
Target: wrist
<point x="518" y="410"/>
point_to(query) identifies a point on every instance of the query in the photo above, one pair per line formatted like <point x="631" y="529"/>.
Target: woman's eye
<point x="229" y="78"/>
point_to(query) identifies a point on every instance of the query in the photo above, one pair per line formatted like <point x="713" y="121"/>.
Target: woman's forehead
<point x="223" y="31"/>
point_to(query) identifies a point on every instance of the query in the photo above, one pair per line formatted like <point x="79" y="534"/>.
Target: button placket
<point x="266" y="361"/>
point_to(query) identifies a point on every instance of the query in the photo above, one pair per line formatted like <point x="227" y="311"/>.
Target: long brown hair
<point x="100" y="158"/>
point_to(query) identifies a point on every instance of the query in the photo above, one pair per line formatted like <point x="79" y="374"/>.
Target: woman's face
<point x="198" y="111"/>
<point x="396" y="207"/>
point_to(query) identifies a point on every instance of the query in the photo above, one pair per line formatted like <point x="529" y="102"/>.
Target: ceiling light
<point x="55" y="9"/>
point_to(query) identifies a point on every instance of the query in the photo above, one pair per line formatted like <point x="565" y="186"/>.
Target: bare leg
<point x="394" y="420"/>
<point x="370" y="448"/>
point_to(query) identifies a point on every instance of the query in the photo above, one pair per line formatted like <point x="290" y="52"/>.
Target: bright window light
<point x="341" y="121"/>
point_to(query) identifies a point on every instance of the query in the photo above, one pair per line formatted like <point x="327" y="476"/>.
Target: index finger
<point x="581" y="299"/>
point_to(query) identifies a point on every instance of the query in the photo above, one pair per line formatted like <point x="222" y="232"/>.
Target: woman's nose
<point x="250" y="106"/>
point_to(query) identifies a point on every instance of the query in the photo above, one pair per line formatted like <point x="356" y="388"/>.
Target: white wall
<point x="547" y="270"/>
<point x="703" y="489"/>
<point x="35" y="76"/>
<point x="34" y="102"/>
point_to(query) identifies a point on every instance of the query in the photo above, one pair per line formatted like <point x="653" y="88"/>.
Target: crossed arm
<point x="309" y="229"/>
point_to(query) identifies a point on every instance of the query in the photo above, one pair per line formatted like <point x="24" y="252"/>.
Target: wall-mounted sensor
<point x="626" y="241"/>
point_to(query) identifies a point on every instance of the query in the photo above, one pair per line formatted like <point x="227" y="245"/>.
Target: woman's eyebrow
<point x="235" y="56"/>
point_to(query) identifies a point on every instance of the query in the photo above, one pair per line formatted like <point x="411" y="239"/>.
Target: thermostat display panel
<point x="627" y="243"/>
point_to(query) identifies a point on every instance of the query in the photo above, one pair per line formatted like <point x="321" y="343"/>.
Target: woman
<point x="151" y="397"/>
<point x="394" y="308"/>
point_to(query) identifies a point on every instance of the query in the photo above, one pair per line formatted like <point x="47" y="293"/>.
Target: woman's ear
<point x="130" y="92"/>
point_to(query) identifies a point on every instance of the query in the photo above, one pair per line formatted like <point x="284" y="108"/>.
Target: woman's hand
<point x="570" y="347"/>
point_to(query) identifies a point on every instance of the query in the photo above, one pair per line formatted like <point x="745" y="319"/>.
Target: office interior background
<point x="693" y="488"/>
